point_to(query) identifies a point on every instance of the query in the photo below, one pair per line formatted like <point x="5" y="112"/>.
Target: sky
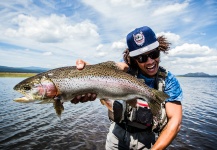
<point x="55" y="33"/>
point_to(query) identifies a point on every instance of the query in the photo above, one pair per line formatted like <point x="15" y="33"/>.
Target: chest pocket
<point x="141" y="117"/>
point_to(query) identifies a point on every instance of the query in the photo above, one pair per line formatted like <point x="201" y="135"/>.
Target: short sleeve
<point x="173" y="88"/>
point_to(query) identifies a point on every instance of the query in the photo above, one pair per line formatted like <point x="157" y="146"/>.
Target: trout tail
<point x="160" y="96"/>
<point x="155" y="103"/>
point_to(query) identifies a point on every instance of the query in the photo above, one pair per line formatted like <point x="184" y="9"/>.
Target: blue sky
<point x="54" y="33"/>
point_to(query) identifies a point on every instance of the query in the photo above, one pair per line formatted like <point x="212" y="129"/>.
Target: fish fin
<point x="160" y="96"/>
<point x="58" y="106"/>
<point x="141" y="80"/>
<point x="155" y="104"/>
<point x="44" y="102"/>
<point x="107" y="103"/>
<point x="155" y="108"/>
<point x="109" y="64"/>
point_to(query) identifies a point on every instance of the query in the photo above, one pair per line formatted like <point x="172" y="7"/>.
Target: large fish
<point x="105" y="79"/>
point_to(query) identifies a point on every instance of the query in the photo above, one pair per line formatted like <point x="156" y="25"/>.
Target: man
<point x="142" y="60"/>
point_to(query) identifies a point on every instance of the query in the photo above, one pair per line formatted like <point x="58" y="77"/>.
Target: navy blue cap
<point x="141" y="40"/>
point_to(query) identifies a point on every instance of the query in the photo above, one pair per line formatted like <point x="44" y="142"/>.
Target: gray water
<point x="85" y="125"/>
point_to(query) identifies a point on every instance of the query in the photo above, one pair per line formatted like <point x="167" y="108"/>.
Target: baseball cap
<point x="141" y="40"/>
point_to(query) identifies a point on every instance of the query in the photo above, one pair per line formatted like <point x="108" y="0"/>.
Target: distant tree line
<point x="21" y="70"/>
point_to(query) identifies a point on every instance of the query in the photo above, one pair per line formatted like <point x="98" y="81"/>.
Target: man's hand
<point x="80" y="64"/>
<point x="174" y="114"/>
<point x="84" y="98"/>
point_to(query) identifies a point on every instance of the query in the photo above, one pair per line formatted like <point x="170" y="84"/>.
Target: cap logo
<point x="139" y="39"/>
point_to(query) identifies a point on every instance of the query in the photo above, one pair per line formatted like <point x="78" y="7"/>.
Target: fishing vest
<point x="141" y="117"/>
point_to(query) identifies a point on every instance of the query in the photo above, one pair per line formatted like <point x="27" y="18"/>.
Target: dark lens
<point x="155" y="54"/>
<point x="142" y="58"/>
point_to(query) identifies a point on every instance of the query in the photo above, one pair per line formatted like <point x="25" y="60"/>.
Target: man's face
<point x="149" y="62"/>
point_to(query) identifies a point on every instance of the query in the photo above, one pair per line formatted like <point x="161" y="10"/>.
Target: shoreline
<point x="16" y="74"/>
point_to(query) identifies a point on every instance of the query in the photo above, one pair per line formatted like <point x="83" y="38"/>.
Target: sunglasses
<point x="143" y="58"/>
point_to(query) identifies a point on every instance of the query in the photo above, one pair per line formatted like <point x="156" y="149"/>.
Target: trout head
<point x="36" y="88"/>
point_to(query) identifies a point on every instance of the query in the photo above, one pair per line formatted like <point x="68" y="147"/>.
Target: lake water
<point x="85" y="125"/>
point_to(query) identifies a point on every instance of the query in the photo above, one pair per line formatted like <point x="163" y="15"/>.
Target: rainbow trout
<point x="105" y="79"/>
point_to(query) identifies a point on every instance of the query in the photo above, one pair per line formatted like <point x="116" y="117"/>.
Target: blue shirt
<point x="172" y="86"/>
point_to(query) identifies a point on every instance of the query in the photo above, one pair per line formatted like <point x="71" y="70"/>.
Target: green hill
<point x="198" y="74"/>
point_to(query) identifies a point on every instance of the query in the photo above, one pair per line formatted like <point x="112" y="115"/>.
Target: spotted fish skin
<point x="105" y="79"/>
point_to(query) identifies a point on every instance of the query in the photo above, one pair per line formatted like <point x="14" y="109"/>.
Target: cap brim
<point x="145" y="49"/>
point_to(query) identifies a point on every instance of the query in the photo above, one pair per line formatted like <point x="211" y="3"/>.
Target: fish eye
<point x="27" y="88"/>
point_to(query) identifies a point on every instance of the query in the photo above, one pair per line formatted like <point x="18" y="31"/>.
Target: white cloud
<point x="50" y="29"/>
<point x="119" y="45"/>
<point x="118" y="13"/>
<point x="171" y="37"/>
<point x="99" y="47"/>
<point x="55" y="34"/>
<point x="132" y="3"/>
<point x="191" y="50"/>
<point x="47" y="53"/>
<point x="170" y="9"/>
<point x="191" y="58"/>
<point x="100" y="54"/>
<point x="187" y="19"/>
<point x="95" y="31"/>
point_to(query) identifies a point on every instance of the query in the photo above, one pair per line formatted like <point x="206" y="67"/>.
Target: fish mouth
<point x="24" y="99"/>
<point x="27" y="98"/>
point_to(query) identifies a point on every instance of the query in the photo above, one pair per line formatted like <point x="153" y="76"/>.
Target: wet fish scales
<point x="104" y="79"/>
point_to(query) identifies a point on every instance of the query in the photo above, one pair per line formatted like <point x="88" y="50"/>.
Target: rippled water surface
<point x="85" y="125"/>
